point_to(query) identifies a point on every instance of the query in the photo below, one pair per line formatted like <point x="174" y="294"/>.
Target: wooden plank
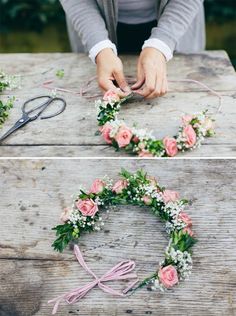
<point x="33" y="192"/>
<point x="78" y="128"/>
<point x="77" y="125"/>
<point x="26" y="287"/>
<point x="42" y="188"/>
<point x="212" y="67"/>
<point x="206" y="150"/>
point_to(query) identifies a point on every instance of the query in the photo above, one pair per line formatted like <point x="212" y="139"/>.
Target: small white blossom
<point x="182" y="260"/>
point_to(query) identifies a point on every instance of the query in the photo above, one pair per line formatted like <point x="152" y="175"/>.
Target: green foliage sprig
<point x="5" y="108"/>
<point x="60" y="73"/>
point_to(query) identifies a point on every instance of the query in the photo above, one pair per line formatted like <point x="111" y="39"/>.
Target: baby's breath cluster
<point x="183" y="261"/>
<point x="90" y="206"/>
<point x="141" y="142"/>
<point x="8" y="82"/>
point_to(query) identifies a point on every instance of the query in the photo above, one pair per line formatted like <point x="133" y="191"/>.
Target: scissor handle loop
<point x="42" y="107"/>
<point x="59" y="111"/>
<point x="37" y="107"/>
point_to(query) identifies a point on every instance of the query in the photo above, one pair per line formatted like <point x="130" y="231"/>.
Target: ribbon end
<point x="129" y="287"/>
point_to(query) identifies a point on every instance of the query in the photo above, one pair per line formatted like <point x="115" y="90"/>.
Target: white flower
<point x="182" y="260"/>
<point x="143" y="134"/>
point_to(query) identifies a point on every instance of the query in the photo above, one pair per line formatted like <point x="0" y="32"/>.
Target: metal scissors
<point x="35" y="112"/>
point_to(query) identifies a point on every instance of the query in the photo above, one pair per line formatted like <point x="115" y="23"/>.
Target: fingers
<point x="107" y="84"/>
<point x="138" y="84"/>
<point x="160" y="89"/>
<point x="110" y="69"/>
<point x="155" y="85"/>
<point x="140" y="79"/>
<point x="121" y="81"/>
<point x="150" y="84"/>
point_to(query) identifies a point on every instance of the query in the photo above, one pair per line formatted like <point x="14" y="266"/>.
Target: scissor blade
<point x="21" y="122"/>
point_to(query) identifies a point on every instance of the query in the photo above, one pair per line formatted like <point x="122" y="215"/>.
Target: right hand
<point x="110" y="68"/>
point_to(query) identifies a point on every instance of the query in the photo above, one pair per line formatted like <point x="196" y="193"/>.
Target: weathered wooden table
<point x="74" y="132"/>
<point x="34" y="192"/>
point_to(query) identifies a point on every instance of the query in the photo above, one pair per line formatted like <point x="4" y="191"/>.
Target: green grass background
<point x="39" y="26"/>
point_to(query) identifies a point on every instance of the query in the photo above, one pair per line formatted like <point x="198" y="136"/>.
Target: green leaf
<point x="60" y="73"/>
<point x="125" y="174"/>
<point x="65" y="235"/>
<point x="182" y="240"/>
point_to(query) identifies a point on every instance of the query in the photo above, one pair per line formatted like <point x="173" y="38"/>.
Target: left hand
<point x="151" y="74"/>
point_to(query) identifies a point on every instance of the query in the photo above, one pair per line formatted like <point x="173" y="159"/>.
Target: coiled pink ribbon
<point x="122" y="271"/>
<point x="85" y="90"/>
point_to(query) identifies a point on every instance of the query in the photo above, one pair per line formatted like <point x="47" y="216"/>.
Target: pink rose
<point x="123" y="136"/>
<point x="105" y="130"/>
<point x="87" y="207"/>
<point x="186" y="119"/>
<point x="145" y="153"/>
<point x="185" y="218"/>
<point x="188" y="231"/>
<point x="119" y="186"/>
<point x="190" y="135"/>
<point x="111" y="96"/>
<point x="170" y="146"/>
<point x="135" y="139"/>
<point x="168" y="276"/>
<point x="147" y="200"/>
<point x="170" y="196"/>
<point x="65" y="215"/>
<point x="97" y="186"/>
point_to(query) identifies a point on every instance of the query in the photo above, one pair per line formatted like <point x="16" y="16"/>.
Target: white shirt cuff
<point x="160" y="45"/>
<point x="100" y="46"/>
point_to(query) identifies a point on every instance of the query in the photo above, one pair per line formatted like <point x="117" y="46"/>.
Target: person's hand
<point x="109" y="69"/>
<point x="151" y="74"/>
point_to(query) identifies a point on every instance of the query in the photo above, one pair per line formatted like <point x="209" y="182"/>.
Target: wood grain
<point x="73" y="133"/>
<point x="33" y="193"/>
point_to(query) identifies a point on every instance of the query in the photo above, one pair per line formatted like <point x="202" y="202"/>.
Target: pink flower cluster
<point x="193" y="129"/>
<point x="168" y="276"/>
<point x="97" y="186"/>
<point x="111" y="96"/>
<point x="173" y="196"/>
<point x="87" y="206"/>
<point x="188" y="133"/>
<point x="188" y="221"/>
<point x="122" y="137"/>
<point x="170" y="196"/>
<point x="119" y="186"/>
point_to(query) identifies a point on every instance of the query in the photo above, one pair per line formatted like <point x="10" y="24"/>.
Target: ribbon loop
<point x="122" y="271"/>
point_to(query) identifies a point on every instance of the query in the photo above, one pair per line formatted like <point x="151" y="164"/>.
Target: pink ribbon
<point x="84" y="90"/>
<point x="122" y="271"/>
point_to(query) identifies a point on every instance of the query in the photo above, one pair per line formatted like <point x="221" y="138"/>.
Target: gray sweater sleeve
<point x="175" y="20"/>
<point x="87" y="21"/>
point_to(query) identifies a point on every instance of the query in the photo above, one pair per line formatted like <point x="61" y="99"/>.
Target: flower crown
<point x="141" y="142"/>
<point x="89" y="207"/>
